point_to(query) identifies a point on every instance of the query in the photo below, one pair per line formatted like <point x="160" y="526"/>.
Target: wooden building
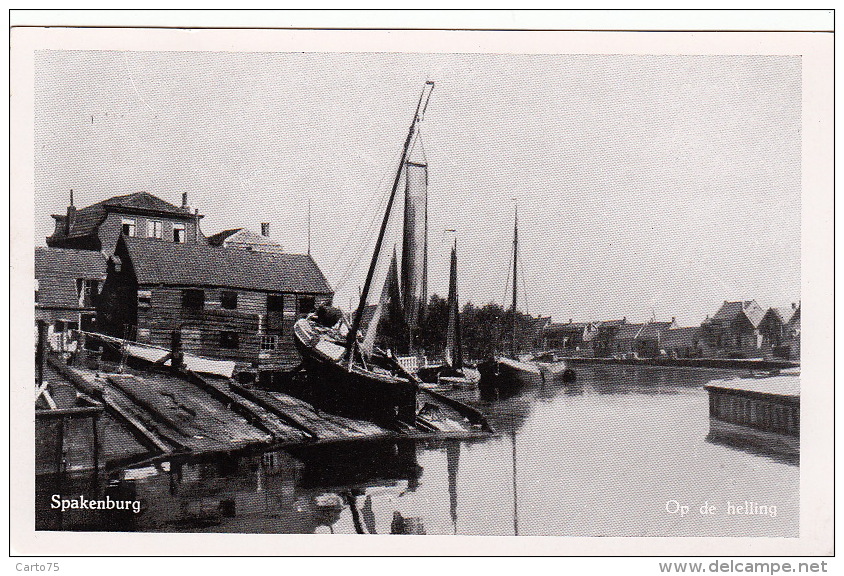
<point x="139" y="215"/>
<point x="67" y="285"/>
<point x="217" y="302"/>
<point x="734" y="329"/>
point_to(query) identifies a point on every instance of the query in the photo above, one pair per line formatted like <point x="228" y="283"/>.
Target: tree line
<point x="486" y="330"/>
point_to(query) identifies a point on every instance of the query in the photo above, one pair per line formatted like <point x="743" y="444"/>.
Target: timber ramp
<point x="184" y="413"/>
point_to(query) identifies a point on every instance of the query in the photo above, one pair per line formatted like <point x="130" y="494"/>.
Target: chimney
<point x="184" y="200"/>
<point x="71" y="216"/>
<point x="673" y="319"/>
<point x="570" y="321"/>
<point x="265" y="229"/>
<point x="794" y="305"/>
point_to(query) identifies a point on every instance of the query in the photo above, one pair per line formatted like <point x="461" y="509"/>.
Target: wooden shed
<point x="217" y="302"/>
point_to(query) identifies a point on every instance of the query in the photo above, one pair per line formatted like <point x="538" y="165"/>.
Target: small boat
<point x="350" y="374"/>
<point x="506" y="374"/>
<point x="453" y="373"/>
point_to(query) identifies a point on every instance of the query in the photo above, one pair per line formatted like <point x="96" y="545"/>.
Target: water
<point x="622" y="452"/>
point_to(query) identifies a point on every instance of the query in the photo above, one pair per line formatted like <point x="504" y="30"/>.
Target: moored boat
<point x="508" y="373"/>
<point x="453" y="372"/>
<point x="351" y="374"/>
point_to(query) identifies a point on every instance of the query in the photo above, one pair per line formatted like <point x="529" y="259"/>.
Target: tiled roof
<point x="167" y="263"/>
<point x="87" y="219"/>
<point x="681" y="337"/>
<point x="654" y="330"/>
<point x="612" y="322"/>
<point x="730" y="310"/>
<point x="785" y="313"/>
<point x="649" y="331"/>
<point x="57" y="270"/>
<point x="628" y="331"/>
<point x="68" y="262"/>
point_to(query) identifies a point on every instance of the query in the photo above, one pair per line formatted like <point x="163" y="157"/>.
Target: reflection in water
<point x="600" y="457"/>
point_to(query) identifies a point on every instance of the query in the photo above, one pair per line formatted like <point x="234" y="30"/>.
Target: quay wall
<point x="726" y="363"/>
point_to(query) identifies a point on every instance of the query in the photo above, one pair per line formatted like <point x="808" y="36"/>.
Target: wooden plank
<point x="140" y="431"/>
<point x="254" y="413"/>
<point x="206" y="423"/>
<point x="261" y="399"/>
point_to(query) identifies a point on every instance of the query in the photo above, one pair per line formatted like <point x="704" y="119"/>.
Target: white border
<point x="816" y="467"/>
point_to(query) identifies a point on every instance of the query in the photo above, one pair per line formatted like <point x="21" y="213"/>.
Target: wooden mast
<point x="351" y="339"/>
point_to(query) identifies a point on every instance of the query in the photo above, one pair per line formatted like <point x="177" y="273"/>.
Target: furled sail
<point x="414" y="274"/>
<point x="453" y="348"/>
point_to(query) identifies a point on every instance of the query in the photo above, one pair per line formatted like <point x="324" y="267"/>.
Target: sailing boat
<point x="355" y="376"/>
<point x="453" y="372"/>
<point x="509" y="373"/>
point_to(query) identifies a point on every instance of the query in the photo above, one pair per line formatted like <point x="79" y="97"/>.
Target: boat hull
<point x="448" y="376"/>
<point x="352" y="391"/>
<point x="505" y="375"/>
<point x="556" y="372"/>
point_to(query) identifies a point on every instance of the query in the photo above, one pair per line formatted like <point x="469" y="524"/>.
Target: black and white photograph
<point x="439" y="283"/>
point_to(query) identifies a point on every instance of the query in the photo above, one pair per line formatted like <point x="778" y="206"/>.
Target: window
<point x="87" y="292"/>
<point x="229" y="300"/>
<point x="229" y="339"/>
<point x="144" y="298"/>
<point x="192" y="298"/>
<point x="154" y="229"/>
<point x="306" y="304"/>
<point x="36" y="290"/>
<point x="143" y="335"/>
<point x="179" y="233"/>
<point x="268" y="342"/>
<point x="275" y="303"/>
<point x="128" y="227"/>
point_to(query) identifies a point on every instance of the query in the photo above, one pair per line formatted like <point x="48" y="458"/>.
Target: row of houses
<point x="738" y="329"/>
<point x="140" y="268"/>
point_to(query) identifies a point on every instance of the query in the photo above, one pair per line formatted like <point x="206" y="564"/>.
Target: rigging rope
<point x="524" y="285"/>
<point x="362" y="247"/>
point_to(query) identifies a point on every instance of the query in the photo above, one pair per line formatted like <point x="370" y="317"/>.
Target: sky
<point x="647" y="186"/>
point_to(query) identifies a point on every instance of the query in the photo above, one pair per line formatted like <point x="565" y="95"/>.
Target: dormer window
<point x="128" y="227"/>
<point x="179" y="233"/>
<point x="154" y="229"/>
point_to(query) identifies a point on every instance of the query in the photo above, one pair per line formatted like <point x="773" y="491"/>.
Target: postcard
<point x="505" y="292"/>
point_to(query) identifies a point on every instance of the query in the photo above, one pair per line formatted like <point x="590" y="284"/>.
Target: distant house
<point x="683" y="342"/>
<point x="734" y="329"/>
<point x="775" y="329"/>
<point x="570" y="336"/>
<point x="224" y="303"/>
<point x="602" y="343"/>
<point x="67" y="285"/>
<point x="244" y="238"/>
<point x="536" y="332"/>
<point x="641" y="340"/>
<point x="793" y="329"/>
<point x="138" y="215"/>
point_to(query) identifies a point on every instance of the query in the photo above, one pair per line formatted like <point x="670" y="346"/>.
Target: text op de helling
<point x="82" y="503"/>
<point x="744" y="508"/>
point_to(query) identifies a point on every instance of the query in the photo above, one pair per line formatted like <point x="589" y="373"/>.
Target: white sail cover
<point x="414" y="273"/>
